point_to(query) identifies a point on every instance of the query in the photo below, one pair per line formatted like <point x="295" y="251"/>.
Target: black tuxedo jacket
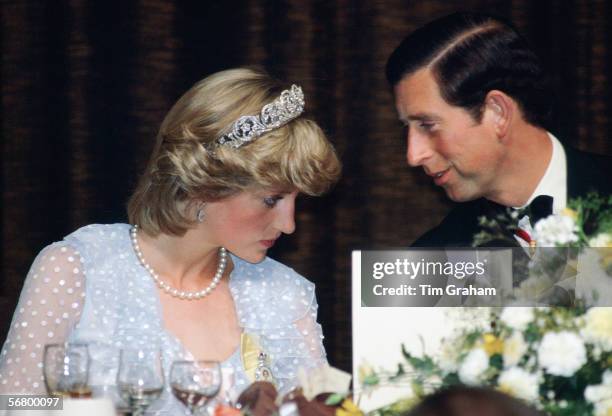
<point x="585" y="172"/>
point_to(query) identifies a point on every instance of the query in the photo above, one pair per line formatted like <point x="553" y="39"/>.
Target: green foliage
<point x="451" y="379"/>
<point x="399" y="374"/>
<point x="335" y="399"/>
<point x="371" y="380"/>
<point x="398" y="408"/>
<point x="499" y="229"/>
<point x="424" y="365"/>
<point x="594" y="213"/>
<point x="531" y="334"/>
<point x="496" y="361"/>
<point x="564" y="408"/>
<point x="471" y="338"/>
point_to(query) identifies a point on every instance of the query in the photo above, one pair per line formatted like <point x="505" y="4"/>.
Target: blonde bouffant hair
<point x="181" y="171"/>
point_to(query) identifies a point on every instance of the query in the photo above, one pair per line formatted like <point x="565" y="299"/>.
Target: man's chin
<point x="456" y="194"/>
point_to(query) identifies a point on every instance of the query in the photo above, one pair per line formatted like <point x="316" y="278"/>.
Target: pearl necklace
<point x="169" y="289"/>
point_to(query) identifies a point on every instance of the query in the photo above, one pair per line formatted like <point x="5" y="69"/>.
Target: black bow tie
<point x="540" y="207"/>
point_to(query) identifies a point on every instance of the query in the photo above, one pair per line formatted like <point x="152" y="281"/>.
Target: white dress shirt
<point x="554" y="181"/>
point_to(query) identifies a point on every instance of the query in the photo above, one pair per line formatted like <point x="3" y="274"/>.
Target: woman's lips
<point x="267" y="243"/>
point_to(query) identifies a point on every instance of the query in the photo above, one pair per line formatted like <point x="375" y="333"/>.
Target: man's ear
<point x="499" y="110"/>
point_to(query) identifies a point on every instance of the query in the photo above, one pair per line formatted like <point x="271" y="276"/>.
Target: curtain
<point x="85" y="85"/>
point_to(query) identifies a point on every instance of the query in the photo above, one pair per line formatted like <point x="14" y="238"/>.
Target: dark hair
<point x="470" y="401"/>
<point x="472" y="54"/>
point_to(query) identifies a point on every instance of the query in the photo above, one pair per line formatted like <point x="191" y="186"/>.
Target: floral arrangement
<point x="556" y="359"/>
<point x="557" y="245"/>
<point x="586" y="222"/>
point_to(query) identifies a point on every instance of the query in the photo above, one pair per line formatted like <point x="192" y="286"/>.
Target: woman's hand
<point x="260" y="398"/>
<point x="314" y="407"/>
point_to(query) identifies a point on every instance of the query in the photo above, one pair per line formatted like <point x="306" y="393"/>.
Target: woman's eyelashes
<point x="270" y="201"/>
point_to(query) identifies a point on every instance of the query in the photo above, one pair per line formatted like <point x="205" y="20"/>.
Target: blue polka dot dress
<point x="91" y="288"/>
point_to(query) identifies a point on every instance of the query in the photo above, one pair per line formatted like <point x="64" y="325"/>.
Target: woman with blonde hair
<point x="190" y="273"/>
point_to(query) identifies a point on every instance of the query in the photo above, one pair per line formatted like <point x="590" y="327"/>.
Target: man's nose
<point x="418" y="149"/>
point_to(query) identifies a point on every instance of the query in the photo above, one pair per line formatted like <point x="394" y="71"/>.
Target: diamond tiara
<point x="289" y="105"/>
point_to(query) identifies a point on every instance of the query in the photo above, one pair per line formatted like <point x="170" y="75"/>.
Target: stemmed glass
<point x="140" y="378"/>
<point x="227" y="393"/>
<point x="66" y="369"/>
<point x="195" y="383"/>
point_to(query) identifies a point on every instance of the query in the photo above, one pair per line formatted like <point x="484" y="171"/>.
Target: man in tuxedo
<point x="475" y="103"/>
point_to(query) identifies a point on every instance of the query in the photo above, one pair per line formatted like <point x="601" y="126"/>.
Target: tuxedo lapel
<point x="461" y="225"/>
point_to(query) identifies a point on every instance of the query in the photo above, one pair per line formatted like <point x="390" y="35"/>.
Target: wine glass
<point x="228" y="394"/>
<point x="66" y="369"/>
<point x="194" y="383"/>
<point x="140" y="378"/>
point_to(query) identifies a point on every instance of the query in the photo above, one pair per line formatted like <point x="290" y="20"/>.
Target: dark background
<point x="85" y="85"/>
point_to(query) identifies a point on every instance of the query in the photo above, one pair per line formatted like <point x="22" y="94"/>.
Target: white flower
<point x="596" y="352"/>
<point x="556" y="230"/>
<point x="514" y="349"/>
<point x="562" y="353"/>
<point x="519" y="383"/>
<point x="598" y="392"/>
<point x="598" y="327"/>
<point x="473" y="366"/>
<point x="601" y="395"/>
<point x="517" y="317"/>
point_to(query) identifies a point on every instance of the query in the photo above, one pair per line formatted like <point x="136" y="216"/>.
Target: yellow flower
<point x="519" y="383"/>
<point x="601" y="240"/>
<point x="568" y="212"/>
<point x="364" y="371"/>
<point x="603" y="243"/>
<point x="598" y="327"/>
<point x="492" y="345"/>
<point x="514" y="349"/>
<point x="348" y="408"/>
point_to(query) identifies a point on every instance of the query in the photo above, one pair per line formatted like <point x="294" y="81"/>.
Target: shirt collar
<point x="554" y="181"/>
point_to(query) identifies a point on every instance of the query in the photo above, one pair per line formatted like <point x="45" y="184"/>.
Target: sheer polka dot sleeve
<point x="312" y="334"/>
<point x="50" y="305"/>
